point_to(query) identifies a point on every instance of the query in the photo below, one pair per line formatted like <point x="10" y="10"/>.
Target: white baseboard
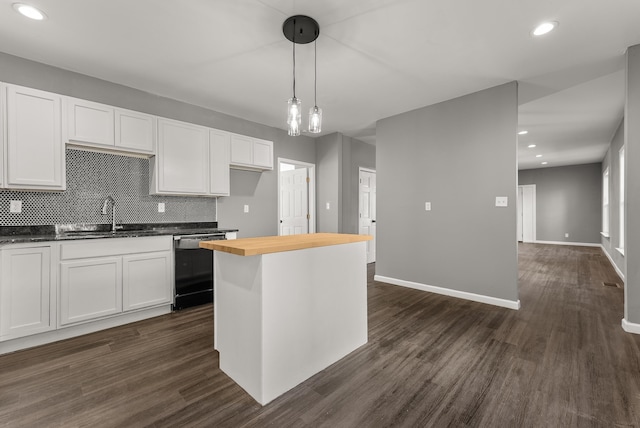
<point x="576" y="244"/>
<point x="615" y="267"/>
<point x="630" y="327"/>
<point x="510" y="304"/>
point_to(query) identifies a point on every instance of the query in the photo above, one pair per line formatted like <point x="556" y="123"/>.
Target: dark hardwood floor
<point x="562" y="360"/>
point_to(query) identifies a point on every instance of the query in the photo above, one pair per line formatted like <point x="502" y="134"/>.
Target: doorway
<point x="296" y="197"/>
<point x="367" y="209"/>
<point x="526" y="209"/>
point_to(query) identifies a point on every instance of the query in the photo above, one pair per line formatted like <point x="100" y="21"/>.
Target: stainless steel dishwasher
<point x="193" y="270"/>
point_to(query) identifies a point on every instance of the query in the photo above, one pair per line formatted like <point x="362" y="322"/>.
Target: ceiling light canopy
<point x="301" y="29"/>
<point x="544" y="163"/>
<point x="538" y="156"/>
<point x="29" y="11"/>
<point x="523" y="132"/>
<point x="531" y="146"/>
<point x="545" y="28"/>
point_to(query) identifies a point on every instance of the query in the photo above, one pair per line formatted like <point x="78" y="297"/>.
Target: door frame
<point x="533" y="207"/>
<point x="373" y="171"/>
<point x="311" y="195"/>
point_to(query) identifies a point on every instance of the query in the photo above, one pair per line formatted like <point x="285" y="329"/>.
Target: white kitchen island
<point x="287" y="307"/>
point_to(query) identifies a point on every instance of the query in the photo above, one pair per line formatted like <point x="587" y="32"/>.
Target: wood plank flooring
<point x="432" y="361"/>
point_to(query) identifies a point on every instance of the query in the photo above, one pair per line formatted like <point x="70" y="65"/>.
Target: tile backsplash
<point x="91" y="177"/>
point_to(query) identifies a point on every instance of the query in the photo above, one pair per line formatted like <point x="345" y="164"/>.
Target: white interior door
<point x="294" y="205"/>
<point x="367" y="208"/>
<point x="519" y="214"/>
<point x="527" y="213"/>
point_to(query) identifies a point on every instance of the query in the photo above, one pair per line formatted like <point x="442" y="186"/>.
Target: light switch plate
<point x="328" y="206"/>
<point x="246" y="208"/>
<point x="160" y="207"/>
<point x="502" y="201"/>
<point x="427" y="206"/>
<point x="15" y="207"/>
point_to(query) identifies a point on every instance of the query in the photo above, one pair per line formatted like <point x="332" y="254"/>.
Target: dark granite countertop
<point x="76" y="231"/>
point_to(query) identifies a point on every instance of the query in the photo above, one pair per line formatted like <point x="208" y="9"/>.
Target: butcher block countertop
<point x="277" y="244"/>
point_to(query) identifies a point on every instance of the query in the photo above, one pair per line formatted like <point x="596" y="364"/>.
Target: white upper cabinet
<point x="263" y="153"/>
<point x="182" y="161"/>
<point x="2" y="133"/>
<point x="191" y="160"/>
<point x="34" y="148"/>
<point x="241" y="150"/>
<point x="102" y="126"/>
<point x="135" y="131"/>
<point x="251" y="153"/>
<point x="89" y="122"/>
<point x="219" y="142"/>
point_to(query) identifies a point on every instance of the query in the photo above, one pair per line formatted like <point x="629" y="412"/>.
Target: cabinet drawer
<point x="114" y="247"/>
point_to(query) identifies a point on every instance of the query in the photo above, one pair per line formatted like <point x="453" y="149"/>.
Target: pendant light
<point x="294" y="105"/>
<point x="315" y="114"/>
<point x="300" y="29"/>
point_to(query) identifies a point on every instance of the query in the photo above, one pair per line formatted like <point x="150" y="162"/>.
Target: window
<point x="621" y="238"/>
<point x="605" y="203"/>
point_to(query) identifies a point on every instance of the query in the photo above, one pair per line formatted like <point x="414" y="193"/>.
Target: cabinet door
<point x="89" y="122"/>
<point x="35" y="152"/>
<point x="135" y="131"/>
<point x="25" y="299"/>
<point x="182" y="160"/>
<point x="219" y="162"/>
<point x="90" y="288"/>
<point x="146" y="280"/>
<point x="263" y="153"/>
<point x="241" y="150"/>
<point x="3" y="97"/>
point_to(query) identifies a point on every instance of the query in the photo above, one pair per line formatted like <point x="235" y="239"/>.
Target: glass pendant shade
<point x="315" y="120"/>
<point x="294" y="116"/>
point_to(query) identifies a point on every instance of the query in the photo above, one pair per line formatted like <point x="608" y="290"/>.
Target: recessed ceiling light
<point x="523" y="132"/>
<point x="538" y="156"/>
<point x="545" y="28"/>
<point x="29" y="11"/>
<point x="544" y="163"/>
<point x="531" y="146"/>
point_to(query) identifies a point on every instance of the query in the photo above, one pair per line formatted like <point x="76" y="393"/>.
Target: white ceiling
<point x="376" y="58"/>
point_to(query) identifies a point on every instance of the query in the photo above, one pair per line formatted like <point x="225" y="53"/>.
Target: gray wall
<point x="459" y="155"/>
<point x="339" y="159"/>
<point x="568" y="200"/>
<point x="329" y="158"/>
<point x="612" y="161"/>
<point x="355" y="154"/>
<point x="632" y="188"/>
<point x="258" y="190"/>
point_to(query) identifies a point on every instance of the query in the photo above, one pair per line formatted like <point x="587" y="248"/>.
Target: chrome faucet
<point x="113" y="211"/>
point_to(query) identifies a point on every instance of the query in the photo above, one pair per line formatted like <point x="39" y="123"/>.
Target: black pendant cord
<point x="315" y="73"/>
<point x="294" y="59"/>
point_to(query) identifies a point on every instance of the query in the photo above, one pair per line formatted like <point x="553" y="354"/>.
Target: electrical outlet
<point x="15" y="207"/>
<point x="427" y="206"/>
<point x="246" y="208"/>
<point x="566" y="235"/>
<point x="328" y="206"/>
<point x="160" y="207"/>
<point x="502" y="201"/>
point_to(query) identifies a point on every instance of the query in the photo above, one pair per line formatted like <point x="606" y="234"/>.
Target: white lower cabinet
<point x="146" y="280"/>
<point x="90" y="289"/>
<point x="105" y="277"/>
<point x="26" y="303"/>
